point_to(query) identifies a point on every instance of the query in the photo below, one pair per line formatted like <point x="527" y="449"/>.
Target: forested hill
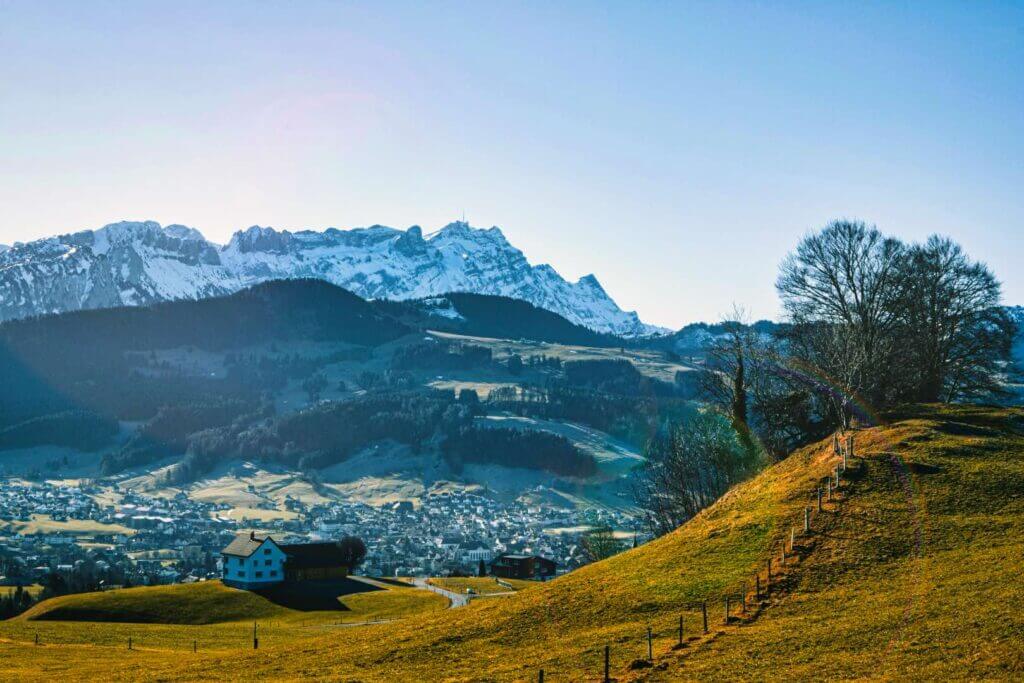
<point x="130" y="361"/>
<point x="281" y="310"/>
<point x="294" y="309"/>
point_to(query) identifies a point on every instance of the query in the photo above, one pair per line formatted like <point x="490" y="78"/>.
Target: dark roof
<point x="312" y="555"/>
<point x="245" y="545"/>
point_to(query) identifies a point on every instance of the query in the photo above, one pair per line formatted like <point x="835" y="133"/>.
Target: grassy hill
<point x="209" y="602"/>
<point x="913" y="572"/>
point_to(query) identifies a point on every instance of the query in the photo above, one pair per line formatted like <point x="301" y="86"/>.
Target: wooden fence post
<point x="835" y="442"/>
<point x="607" y="669"/>
<point x="836" y="472"/>
<point x="37" y="639"/>
<point x="819" y="499"/>
<point x="849" y="445"/>
<point x="680" y="629"/>
<point x="769" y="577"/>
<point x="830" y="488"/>
<point x="792" y="538"/>
<point x="807" y="519"/>
<point x="255" y="640"/>
<point x="129" y="642"/>
<point x="540" y="677"/>
<point x="704" y="611"/>
<point x="650" y="646"/>
<point x="727" y="609"/>
<point x="195" y="646"/>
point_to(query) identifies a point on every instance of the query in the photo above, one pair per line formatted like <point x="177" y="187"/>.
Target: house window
<point x="266" y="551"/>
<point x="241" y="572"/>
<point x="268" y="562"/>
<point x="259" y="575"/>
<point x="273" y="572"/>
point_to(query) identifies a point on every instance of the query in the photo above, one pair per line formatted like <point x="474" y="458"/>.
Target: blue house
<point x="251" y="562"/>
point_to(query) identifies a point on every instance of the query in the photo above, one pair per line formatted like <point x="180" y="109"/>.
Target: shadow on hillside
<point x="315" y="596"/>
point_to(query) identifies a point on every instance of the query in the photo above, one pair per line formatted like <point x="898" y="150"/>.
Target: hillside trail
<point x="836" y="537"/>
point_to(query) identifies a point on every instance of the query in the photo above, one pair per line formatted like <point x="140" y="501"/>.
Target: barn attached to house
<point x="312" y="561"/>
<point x="252" y="562"/>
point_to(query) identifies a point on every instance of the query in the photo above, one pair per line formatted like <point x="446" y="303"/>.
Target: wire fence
<point x="695" y="621"/>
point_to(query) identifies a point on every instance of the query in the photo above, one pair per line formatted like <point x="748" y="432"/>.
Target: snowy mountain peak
<point x="132" y="263"/>
<point x="591" y="283"/>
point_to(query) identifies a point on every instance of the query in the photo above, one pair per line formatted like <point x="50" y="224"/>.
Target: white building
<point x="250" y="562"/>
<point x="477" y="553"/>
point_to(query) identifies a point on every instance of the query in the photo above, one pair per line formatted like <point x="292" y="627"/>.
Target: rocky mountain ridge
<point x="136" y="263"/>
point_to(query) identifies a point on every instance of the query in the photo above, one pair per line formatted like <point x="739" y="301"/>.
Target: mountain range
<point x="138" y="263"/>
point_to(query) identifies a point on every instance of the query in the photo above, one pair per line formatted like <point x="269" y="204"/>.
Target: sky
<point x="675" y="150"/>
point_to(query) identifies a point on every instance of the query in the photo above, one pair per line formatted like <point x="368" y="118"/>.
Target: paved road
<point x="454" y="599"/>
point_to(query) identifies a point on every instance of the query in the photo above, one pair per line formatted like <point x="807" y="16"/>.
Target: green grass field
<point x="214" y="615"/>
<point x="912" y="573"/>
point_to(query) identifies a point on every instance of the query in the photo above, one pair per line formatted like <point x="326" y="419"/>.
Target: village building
<point x="511" y="566"/>
<point x="253" y="562"/>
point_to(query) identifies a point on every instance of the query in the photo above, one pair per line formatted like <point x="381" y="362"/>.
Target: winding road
<point x="454" y="599"/>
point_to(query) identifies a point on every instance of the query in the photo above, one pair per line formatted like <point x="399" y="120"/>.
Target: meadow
<point x="911" y="571"/>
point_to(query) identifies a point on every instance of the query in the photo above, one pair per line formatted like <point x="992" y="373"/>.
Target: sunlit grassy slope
<point x="913" y="573"/>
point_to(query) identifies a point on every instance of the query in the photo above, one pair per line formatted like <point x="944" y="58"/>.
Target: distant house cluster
<point x="252" y="562"/>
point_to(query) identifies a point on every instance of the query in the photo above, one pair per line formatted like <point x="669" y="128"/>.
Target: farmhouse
<point x="252" y="562"/>
<point x="511" y="566"/>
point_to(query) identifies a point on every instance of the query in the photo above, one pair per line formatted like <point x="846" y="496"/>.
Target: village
<point x="94" y="540"/>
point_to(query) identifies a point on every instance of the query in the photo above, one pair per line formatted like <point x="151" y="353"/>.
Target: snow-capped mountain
<point x="138" y="263"/>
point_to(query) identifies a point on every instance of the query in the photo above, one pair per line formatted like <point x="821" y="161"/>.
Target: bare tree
<point x="690" y="468"/>
<point x="849" y="275"/>
<point x="955" y="331"/>
<point x="600" y="543"/>
<point x="830" y="361"/>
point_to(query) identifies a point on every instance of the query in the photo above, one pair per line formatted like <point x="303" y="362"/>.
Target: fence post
<point x="129" y="642"/>
<point x="650" y="646"/>
<point x="195" y="646"/>
<point x="849" y="445"/>
<point x="769" y="577"/>
<point x="837" y="476"/>
<point x="727" y="609"/>
<point x="807" y="520"/>
<point x="819" y="498"/>
<point x="37" y="639"/>
<point x="704" y="612"/>
<point x="607" y="670"/>
<point x="792" y="538"/>
<point x="255" y="640"/>
<point x="835" y="442"/>
<point x="757" y="586"/>
<point x="783" y="562"/>
<point x="830" y="488"/>
<point x="680" y="629"/>
<point x="540" y="677"/>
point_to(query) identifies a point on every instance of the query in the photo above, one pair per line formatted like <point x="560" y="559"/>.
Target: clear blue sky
<point x="676" y="150"/>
